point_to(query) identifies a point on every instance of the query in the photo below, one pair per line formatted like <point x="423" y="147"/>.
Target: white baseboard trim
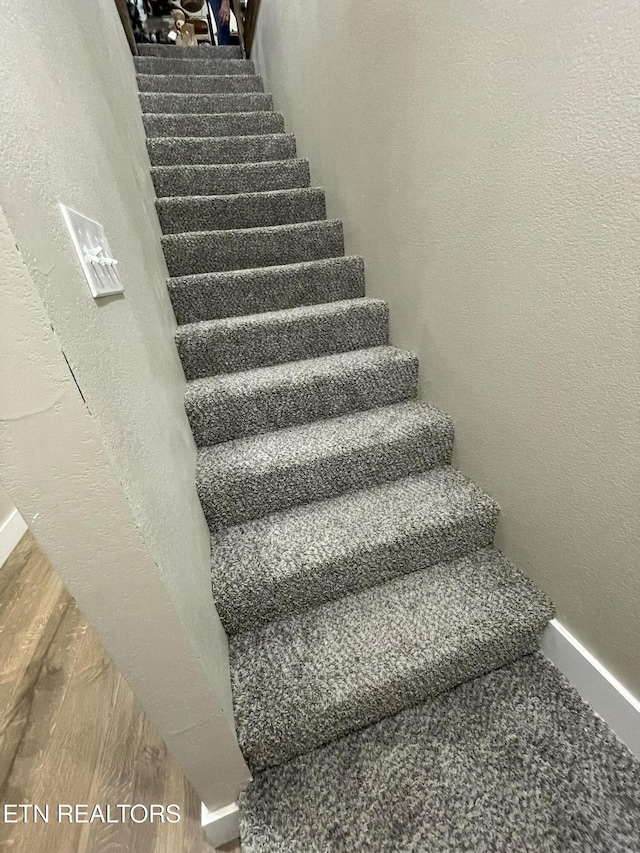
<point x="223" y="825"/>
<point x="608" y="698"/>
<point x="11" y="532"/>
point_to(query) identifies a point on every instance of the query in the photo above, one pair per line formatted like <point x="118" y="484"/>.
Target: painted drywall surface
<point x="52" y="458"/>
<point x="6" y="507"/>
<point x="72" y="133"/>
<point x="484" y="158"/>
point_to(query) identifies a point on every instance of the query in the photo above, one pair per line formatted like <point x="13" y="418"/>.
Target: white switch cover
<point x="98" y="264"/>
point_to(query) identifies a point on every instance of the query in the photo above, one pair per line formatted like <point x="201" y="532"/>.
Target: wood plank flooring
<point x="71" y="730"/>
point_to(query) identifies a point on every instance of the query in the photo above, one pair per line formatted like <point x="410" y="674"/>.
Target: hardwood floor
<point x="71" y="731"/>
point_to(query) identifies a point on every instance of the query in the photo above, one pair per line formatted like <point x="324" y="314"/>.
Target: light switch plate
<point x="92" y="246"/>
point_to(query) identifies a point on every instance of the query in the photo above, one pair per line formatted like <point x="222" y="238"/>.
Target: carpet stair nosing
<point x="219" y="150"/>
<point x="261" y="475"/>
<point x="244" y="248"/>
<point x="229" y="212"/>
<point x="173" y="51"/>
<point x="313" y="677"/>
<point x="235" y="178"/>
<point x="222" y="408"/>
<point x="212" y="296"/>
<point x="200" y="83"/>
<point x="213" y="125"/>
<point x="276" y="337"/>
<point x="205" y="66"/>
<point x="294" y="560"/>
<point x="198" y="104"/>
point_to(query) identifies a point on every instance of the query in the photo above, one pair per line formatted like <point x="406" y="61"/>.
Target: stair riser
<point x="178" y="181"/>
<point x="409" y="552"/>
<point x="230" y="294"/>
<point x="232" y="212"/>
<point x="242" y="149"/>
<point x="200" y="84"/>
<point x="370" y="706"/>
<point x="210" y="351"/>
<point x="222" y="124"/>
<point x="208" y="67"/>
<point x="233" y="250"/>
<point x="174" y="51"/>
<point x="224" y="416"/>
<point x="153" y="102"/>
<point x="232" y="499"/>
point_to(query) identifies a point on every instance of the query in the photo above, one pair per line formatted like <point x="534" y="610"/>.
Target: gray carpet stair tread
<point x="276" y="337"/>
<point x="233" y="178"/>
<point x="195" y="150"/>
<point x="178" y="214"/>
<point x="210" y="296"/>
<point x="238" y="102"/>
<point x="316" y="676"/>
<point x="200" y="83"/>
<point x="512" y="761"/>
<point x="274" y="471"/>
<point x="339" y="528"/>
<point x="235" y="405"/>
<point x="175" y="51"/>
<point x="294" y="560"/>
<point x="246" y="248"/>
<point x="167" y="65"/>
<point x="178" y="125"/>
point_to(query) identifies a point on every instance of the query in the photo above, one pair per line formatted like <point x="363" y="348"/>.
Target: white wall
<point x="6" y="507"/>
<point x="484" y="158"/>
<point x="72" y="133"/>
<point x="12" y="526"/>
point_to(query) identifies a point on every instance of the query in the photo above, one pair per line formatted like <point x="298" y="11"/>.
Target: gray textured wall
<point x="484" y="157"/>
<point x="72" y="133"/>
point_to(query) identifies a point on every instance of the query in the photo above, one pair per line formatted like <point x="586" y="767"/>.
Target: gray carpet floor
<point x="511" y="761"/>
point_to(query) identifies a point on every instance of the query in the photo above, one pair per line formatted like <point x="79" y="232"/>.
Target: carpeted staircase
<point x="352" y="566"/>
